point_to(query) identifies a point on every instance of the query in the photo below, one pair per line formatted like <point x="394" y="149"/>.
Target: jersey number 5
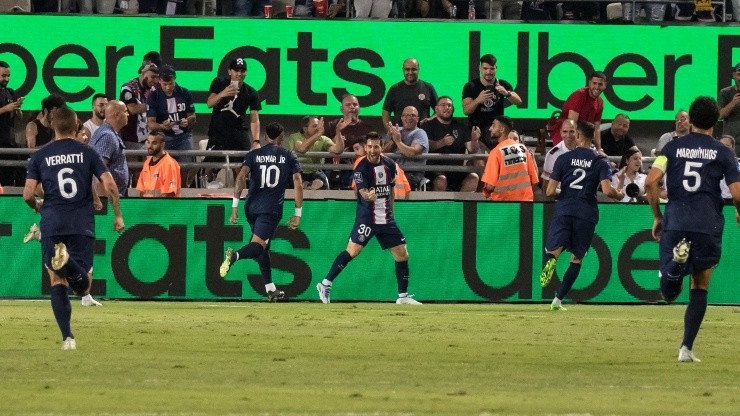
<point x="690" y="173"/>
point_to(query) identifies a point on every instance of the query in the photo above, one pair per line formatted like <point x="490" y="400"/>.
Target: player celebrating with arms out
<point x="375" y="177"/>
<point x="690" y="232"/>
<point x="576" y="214"/>
<point x="270" y="169"/>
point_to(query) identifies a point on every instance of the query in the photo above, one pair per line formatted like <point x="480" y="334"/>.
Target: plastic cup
<point x="288" y="11"/>
<point x="268" y="11"/>
<point x="320" y="7"/>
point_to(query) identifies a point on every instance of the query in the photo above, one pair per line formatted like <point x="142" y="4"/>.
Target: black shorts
<point x="263" y="225"/>
<point x="704" y="254"/>
<point x="81" y="249"/>
<point x="572" y="233"/>
<point x="388" y="235"/>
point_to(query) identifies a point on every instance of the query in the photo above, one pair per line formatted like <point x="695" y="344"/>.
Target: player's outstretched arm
<point x="652" y="193"/>
<point x="295" y="220"/>
<point x="112" y="191"/>
<point x="239" y="183"/>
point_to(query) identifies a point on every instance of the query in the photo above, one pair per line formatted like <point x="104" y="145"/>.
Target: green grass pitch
<point x="234" y="358"/>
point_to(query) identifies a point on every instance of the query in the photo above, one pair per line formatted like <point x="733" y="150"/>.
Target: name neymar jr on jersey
<point x="699" y="153"/>
<point x="64" y="159"/>
<point x="269" y="159"/>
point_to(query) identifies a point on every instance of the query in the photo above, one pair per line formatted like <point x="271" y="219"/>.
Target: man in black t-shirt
<point x="616" y="140"/>
<point x="410" y="92"/>
<point x="10" y="110"/>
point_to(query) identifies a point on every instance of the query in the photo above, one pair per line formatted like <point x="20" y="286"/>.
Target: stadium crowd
<point x="416" y="122"/>
<point x="653" y="12"/>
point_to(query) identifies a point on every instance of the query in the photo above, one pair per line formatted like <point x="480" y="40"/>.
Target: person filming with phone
<point x="10" y="111"/>
<point x="485" y="97"/>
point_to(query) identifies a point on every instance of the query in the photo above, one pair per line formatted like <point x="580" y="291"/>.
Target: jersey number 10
<point x="270" y="176"/>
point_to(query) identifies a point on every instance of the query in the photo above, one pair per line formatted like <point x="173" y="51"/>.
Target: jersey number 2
<point x="581" y="174"/>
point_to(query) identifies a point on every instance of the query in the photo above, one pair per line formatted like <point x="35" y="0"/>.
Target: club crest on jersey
<point x="422" y="97"/>
<point x="380" y="176"/>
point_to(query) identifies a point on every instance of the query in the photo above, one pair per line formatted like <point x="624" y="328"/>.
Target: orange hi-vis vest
<point x="511" y="170"/>
<point x="402" y="188"/>
<point x="160" y="178"/>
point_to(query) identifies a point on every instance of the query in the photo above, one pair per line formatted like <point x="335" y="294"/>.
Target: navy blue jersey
<point x="271" y="170"/>
<point x="174" y="108"/>
<point x="382" y="178"/>
<point x="579" y="172"/>
<point x="694" y="166"/>
<point x="65" y="169"/>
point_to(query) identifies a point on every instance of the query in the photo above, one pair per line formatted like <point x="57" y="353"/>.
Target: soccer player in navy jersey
<point x="579" y="173"/>
<point x="65" y="168"/>
<point x="690" y="232"/>
<point x="375" y="177"/>
<point x="271" y="169"/>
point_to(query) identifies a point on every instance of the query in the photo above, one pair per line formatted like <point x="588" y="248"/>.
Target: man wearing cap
<point x="729" y="105"/>
<point x="230" y="98"/>
<point x="171" y="109"/>
<point x="134" y="94"/>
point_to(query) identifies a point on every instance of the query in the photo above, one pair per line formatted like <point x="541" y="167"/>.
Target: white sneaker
<point x="69" y="344"/>
<point x="61" y="256"/>
<point x="407" y="300"/>
<point x="34" y="233"/>
<point x="685" y="355"/>
<point x="681" y="251"/>
<point x="324" y="292"/>
<point x="88" y="300"/>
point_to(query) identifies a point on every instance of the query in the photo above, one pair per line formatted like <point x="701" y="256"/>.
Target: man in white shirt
<point x="568" y="133"/>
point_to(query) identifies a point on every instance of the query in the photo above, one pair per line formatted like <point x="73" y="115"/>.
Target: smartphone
<point x="235" y="84"/>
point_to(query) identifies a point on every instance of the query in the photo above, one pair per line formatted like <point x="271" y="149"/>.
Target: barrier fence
<point x="459" y="252"/>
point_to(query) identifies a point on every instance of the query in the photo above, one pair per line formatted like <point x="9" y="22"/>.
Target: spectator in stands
<point x="584" y="104"/>
<point x="539" y="10"/>
<point x="304" y="8"/>
<point x="336" y="9"/>
<point x="654" y="12"/>
<point x="81" y="6"/>
<point x="152" y="58"/>
<point x="410" y="92"/>
<point x="568" y="133"/>
<point x="484" y="98"/>
<point x="10" y="111"/>
<point x="702" y="9"/>
<point x="449" y="136"/>
<point x="580" y="10"/>
<point x="99" y="102"/>
<point x="616" y="140"/>
<point x="729" y="142"/>
<point x="410" y="142"/>
<point x="378" y="9"/>
<point x="729" y="104"/>
<point x="311" y="139"/>
<point x="249" y="7"/>
<point x="135" y="93"/>
<point x="171" y="109"/>
<point x="630" y="172"/>
<point x="502" y="9"/>
<point x="682" y="129"/>
<point x="201" y="7"/>
<point x="160" y="175"/>
<point x="351" y="127"/>
<point x="109" y="145"/>
<point x="510" y="173"/>
<point x="39" y="130"/>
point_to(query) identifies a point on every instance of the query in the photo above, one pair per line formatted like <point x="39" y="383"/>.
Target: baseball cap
<point x="149" y="67"/>
<point x="737" y="67"/>
<point x="167" y="72"/>
<point x="238" y="63"/>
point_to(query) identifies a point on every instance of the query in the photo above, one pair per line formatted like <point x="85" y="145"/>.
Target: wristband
<point x="298" y="212"/>
<point x="234" y="202"/>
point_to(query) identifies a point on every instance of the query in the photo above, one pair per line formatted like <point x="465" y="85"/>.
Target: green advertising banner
<point x="459" y="251"/>
<point x="303" y="66"/>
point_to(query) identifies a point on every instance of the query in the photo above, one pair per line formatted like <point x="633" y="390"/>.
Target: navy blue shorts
<point x="704" y="254"/>
<point x="388" y="235"/>
<point x="81" y="249"/>
<point x="263" y="225"/>
<point x="572" y="233"/>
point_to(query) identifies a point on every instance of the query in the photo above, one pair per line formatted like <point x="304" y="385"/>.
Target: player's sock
<point x="548" y="256"/>
<point x="402" y="276"/>
<point x="251" y="251"/>
<point x="556" y="301"/>
<point x="62" y="309"/>
<point x="674" y="270"/>
<point x="569" y="278"/>
<point x="694" y="316"/>
<point x="339" y="264"/>
<point x="265" y="264"/>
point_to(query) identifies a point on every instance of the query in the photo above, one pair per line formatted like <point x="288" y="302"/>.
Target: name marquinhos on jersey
<point x="514" y="154"/>
<point x="269" y="159"/>
<point x="581" y="163"/>
<point x="699" y="153"/>
<point x="64" y="159"/>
